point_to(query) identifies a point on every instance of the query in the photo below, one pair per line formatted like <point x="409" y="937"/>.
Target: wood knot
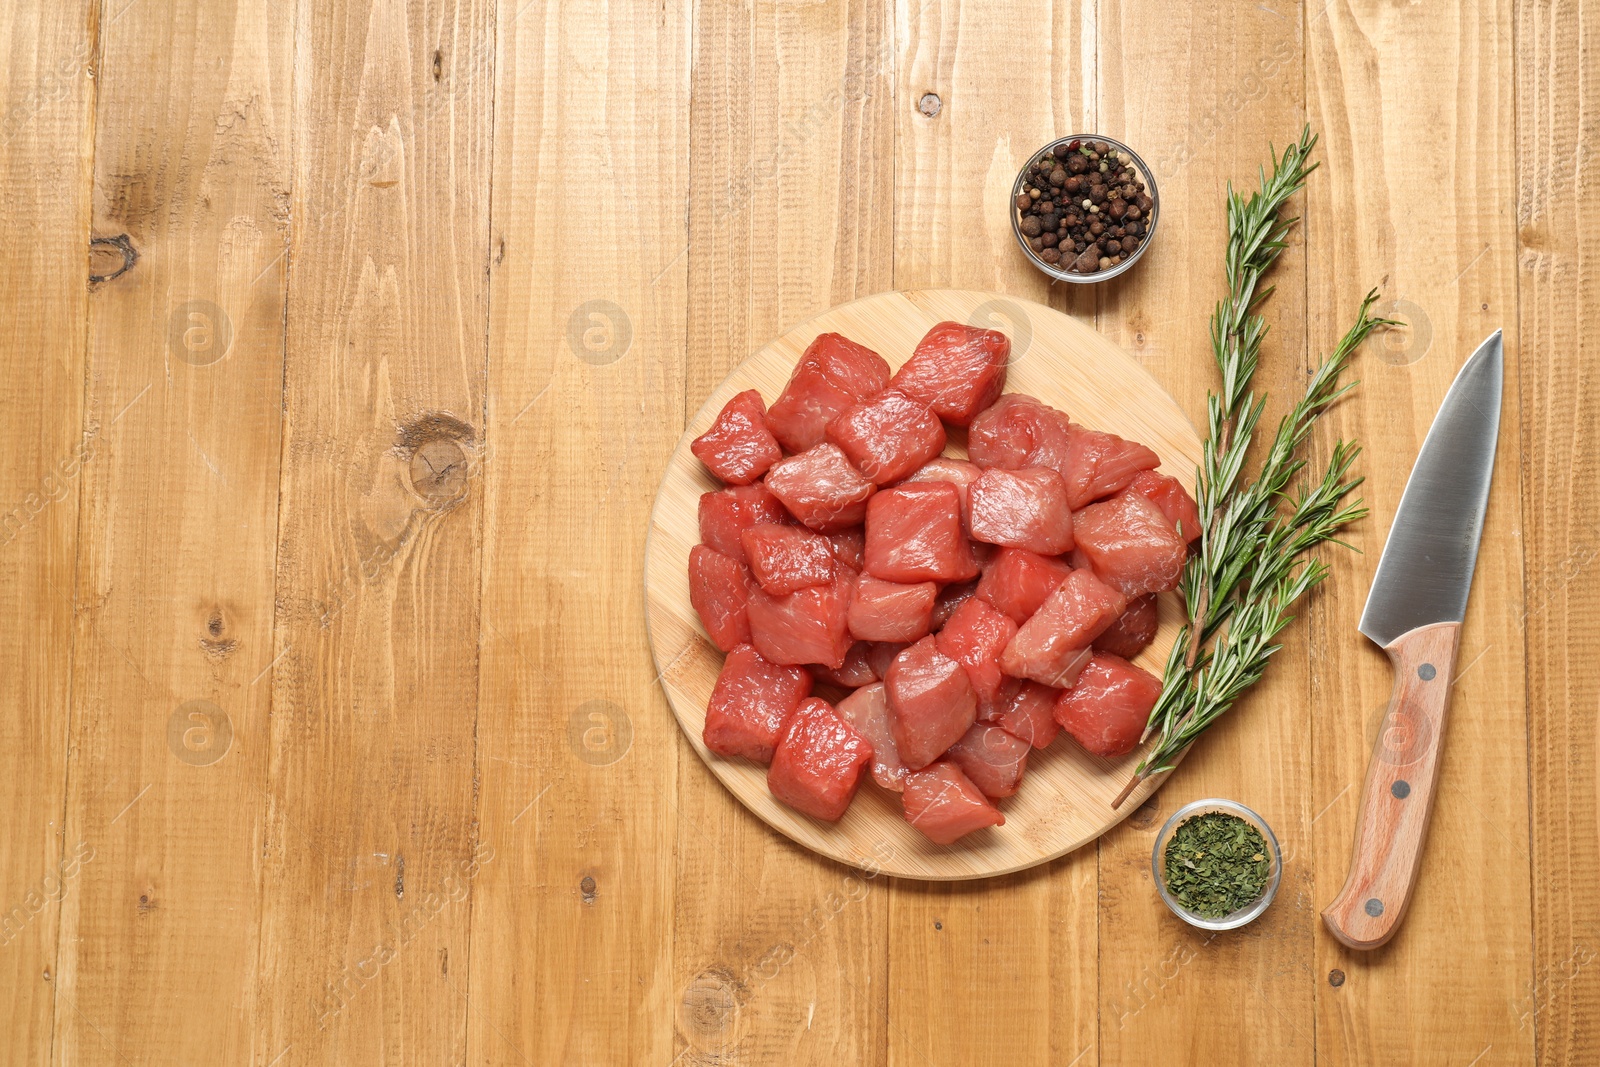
<point x="437" y="449"/>
<point x="439" y="472"/>
<point x="215" y="640"/>
<point x="708" y="1013"/>
<point x="930" y="105"/>
<point x="587" y="888"/>
<point x="110" y="258"/>
<point x="1144" y="816"/>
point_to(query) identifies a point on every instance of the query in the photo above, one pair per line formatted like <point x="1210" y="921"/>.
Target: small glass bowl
<point x="1021" y="185"/>
<point x="1274" y="856"/>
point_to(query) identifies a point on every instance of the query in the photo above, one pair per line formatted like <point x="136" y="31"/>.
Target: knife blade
<point x="1427" y="563"/>
<point x="1414" y="611"/>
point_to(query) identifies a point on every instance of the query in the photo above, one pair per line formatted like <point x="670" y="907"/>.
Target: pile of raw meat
<point x="959" y="612"/>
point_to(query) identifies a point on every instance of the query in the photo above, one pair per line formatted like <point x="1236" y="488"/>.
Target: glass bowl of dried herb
<point x="1216" y="864"/>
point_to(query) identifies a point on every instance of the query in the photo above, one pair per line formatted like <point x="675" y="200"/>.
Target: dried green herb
<point x="1216" y="864"/>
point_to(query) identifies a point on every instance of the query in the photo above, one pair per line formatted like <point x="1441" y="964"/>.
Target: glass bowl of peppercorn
<point x="1217" y="864"/>
<point x="1084" y="208"/>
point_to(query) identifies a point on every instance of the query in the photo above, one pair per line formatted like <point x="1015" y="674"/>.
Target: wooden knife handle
<point x="1398" y="798"/>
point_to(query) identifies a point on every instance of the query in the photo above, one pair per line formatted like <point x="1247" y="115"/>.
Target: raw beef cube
<point x="949" y="601"/>
<point x="1099" y="464"/>
<point x="1022" y="509"/>
<point x="857" y="669"/>
<point x="1024" y="709"/>
<point x="914" y="535"/>
<point x="806" y="626"/>
<point x="1019" y="431"/>
<point x="931" y="702"/>
<point x="739" y="448"/>
<point x="727" y="513"/>
<point x="1168" y="494"/>
<point x="956" y="370"/>
<point x="975" y="637"/>
<point x="882" y="653"/>
<point x="1131" y="544"/>
<point x="1107" y="709"/>
<point x="891" y="611"/>
<point x="888" y="436"/>
<point x="818" y="762"/>
<point x="1018" y="581"/>
<point x="834" y="375"/>
<point x="750" y="703"/>
<point x="1053" y="645"/>
<point x="1133" y="631"/>
<point x="992" y="759"/>
<point x="821" y="488"/>
<point x="959" y="473"/>
<point x="867" y="709"/>
<point x="719" y="589"/>
<point x="786" y="558"/>
<point x="945" y="805"/>
<point x="850" y="547"/>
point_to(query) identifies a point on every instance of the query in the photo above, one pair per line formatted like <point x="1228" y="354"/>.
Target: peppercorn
<point x="1080" y="206"/>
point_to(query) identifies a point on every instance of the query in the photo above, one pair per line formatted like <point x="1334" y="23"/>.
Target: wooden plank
<point x="46" y="149"/>
<point x="1558" y="315"/>
<point x="372" y="846"/>
<point x="954" y="171"/>
<point x="777" y="953"/>
<point x="178" y="531"/>
<point x="1230" y="83"/>
<point x="1421" y="99"/>
<point x="572" y="922"/>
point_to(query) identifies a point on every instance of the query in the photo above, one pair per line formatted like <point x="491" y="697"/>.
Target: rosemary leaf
<point x="1253" y="561"/>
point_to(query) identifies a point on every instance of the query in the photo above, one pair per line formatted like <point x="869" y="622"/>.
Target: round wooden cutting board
<point x="1065" y="799"/>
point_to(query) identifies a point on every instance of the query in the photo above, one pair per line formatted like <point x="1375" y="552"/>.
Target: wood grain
<point x="1397" y="799"/>
<point x="572" y="957"/>
<point x="1456" y="278"/>
<point x="1027" y="78"/>
<point x="1065" y="800"/>
<point x="447" y="681"/>
<point x="1558" y="220"/>
<point x="46" y="148"/>
<point x="1231" y="82"/>
<point x="791" y="152"/>
<point x="178" y="534"/>
<point x="371" y="838"/>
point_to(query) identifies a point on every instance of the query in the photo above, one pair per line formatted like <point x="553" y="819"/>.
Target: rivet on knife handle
<point x="1398" y="798"/>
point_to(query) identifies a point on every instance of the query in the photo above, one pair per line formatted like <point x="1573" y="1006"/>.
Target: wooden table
<point x="345" y="343"/>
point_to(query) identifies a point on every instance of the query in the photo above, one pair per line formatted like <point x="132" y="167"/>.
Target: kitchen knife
<point x="1414" y="612"/>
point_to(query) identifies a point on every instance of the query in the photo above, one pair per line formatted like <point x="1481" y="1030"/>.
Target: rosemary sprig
<point x="1252" y="564"/>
